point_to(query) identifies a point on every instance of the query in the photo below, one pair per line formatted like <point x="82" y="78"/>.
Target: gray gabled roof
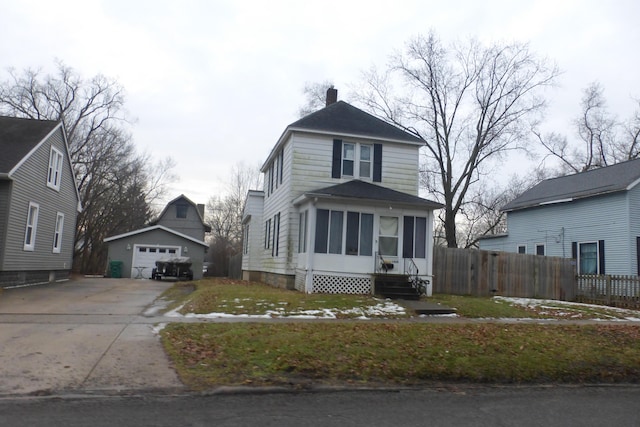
<point x="596" y="182"/>
<point x="343" y="118"/>
<point x="18" y="137"/>
<point x="152" y="228"/>
<point x="365" y="191"/>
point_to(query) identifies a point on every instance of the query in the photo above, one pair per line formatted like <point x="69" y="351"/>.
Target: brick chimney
<point x="332" y="96"/>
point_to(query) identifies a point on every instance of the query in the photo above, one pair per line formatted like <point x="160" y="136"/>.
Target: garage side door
<point x="145" y="257"/>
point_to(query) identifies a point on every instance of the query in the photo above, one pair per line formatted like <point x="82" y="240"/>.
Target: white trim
<point x="31" y="245"/>
<point x="544" y="248"/>
<point x="155" y="227"/>
<point x="521" y="245"/>
<point x="588" y="242"/>
<point x="58" y="232"/>
<point x="633" y="184"/>
<point x="552" y="202"/>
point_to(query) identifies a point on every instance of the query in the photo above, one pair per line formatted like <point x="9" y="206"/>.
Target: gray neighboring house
<point x="39" y="202"/>
<point x="179" y="231"/>
<point x="593" y="217"/>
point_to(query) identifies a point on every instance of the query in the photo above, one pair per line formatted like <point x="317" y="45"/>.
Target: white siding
<point x="557" y="226"/>
<point x="253" y="207"/>
<point x="634" y="226"/>
<point x="312" y="156"/>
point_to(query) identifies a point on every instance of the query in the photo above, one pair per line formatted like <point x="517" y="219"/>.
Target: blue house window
<point x="588" y="253"/>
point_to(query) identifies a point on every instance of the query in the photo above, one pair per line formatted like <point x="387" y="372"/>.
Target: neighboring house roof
<point x="365" y="191"/>
<point x="596" y="182"/>
<point x="155" y="227"/>
<point x="186" y="199"/>
<point x="342" y="119"/>
<point x="18" y="137"/>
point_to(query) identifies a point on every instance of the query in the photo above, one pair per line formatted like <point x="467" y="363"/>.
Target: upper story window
<point x="356" y="160"/>
<point x="55" y="169"/>
<point x="32" y="225"/>
<point x="181" y="210"/>
<point x="273" y="178"/>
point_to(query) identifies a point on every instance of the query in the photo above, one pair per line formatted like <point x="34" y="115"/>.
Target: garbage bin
<point x="115" y="268"/>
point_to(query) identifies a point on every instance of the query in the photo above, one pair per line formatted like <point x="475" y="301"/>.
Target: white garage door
<point x="145" y="257"/>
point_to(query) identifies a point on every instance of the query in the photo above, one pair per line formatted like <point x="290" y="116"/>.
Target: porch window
<point x="388" y="239"/>
<point x="414" y="244"/>
<point x="302" y="232"/>
<point x="329" y="226"/>
<point x="359" y="234"/>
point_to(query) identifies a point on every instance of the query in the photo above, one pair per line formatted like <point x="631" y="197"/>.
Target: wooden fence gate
<point x="486" y="273"/>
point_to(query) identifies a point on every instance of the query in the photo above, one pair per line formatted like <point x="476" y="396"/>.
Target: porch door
<point x="388" y="236"/>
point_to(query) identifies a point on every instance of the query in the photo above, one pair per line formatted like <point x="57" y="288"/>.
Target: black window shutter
<point x="377" y="162"/>
<point x="336" y="166"/>
<point x="601" y="255"/>
<point x="574" y="250"/>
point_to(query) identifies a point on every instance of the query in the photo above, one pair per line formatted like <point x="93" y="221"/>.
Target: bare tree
<point x="598" y="132"/>
<point x="315" y="94"/>
<point x="470" y="104"/>
<point x="116" y="184"/>
<point x="225" y="216"/>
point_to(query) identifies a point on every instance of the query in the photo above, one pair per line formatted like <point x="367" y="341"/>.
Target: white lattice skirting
<point x="341" y="284"/>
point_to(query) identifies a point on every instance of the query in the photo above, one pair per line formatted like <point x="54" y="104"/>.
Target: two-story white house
<point x="592" y="217"/>
<point x="340" y="205"/>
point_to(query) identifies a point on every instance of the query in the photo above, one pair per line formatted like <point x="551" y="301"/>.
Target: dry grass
<point x="400" y="353"/>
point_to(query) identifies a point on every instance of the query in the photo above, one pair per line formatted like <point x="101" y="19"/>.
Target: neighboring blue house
<point x="593" y="217"/>
<point x="340" y="203"/>
<point x="39" y="202"/>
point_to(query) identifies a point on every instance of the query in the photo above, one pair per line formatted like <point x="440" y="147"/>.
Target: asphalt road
<point x="89" y="335"/>
<point x="452" y="406"/>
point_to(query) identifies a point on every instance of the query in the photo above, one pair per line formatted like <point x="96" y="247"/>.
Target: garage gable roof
<point x="155" y="227"/>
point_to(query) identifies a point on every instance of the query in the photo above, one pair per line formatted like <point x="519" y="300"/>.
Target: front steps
<point x="395" y="286"/>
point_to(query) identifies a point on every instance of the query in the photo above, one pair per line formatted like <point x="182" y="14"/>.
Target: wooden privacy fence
<point x="485" y="273"/>
<point x="620" y="291"/>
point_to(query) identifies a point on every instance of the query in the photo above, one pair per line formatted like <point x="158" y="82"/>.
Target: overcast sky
<point x="214" y="83"/>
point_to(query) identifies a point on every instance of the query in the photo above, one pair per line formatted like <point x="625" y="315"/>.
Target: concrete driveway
<point x="82" y="335"/>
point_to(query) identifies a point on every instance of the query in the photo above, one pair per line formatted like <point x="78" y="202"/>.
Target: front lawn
<point x="392" y="351"/>
<point x="400" y="353"/>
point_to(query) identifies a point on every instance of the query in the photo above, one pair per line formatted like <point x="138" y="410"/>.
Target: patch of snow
<point x="633" y="315"/>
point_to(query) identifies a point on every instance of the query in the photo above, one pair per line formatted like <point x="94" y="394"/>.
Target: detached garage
<point x="139" y="250"/>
